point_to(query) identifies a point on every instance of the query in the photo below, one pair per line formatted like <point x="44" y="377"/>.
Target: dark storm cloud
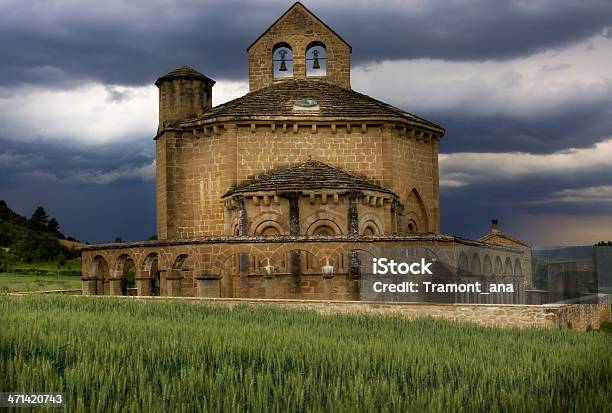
<point x="576" y="125"/>
<point x="121" y="42"/>
<point x="80" y="186"/>
<point x="467" y="211"/>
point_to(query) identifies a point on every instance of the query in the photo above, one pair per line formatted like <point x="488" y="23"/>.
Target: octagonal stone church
<point x="272" y="194"/>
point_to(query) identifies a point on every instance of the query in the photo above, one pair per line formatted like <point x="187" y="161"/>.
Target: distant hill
<point x="14" y="226"/>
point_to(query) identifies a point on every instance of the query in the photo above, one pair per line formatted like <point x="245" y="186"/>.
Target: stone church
<point x="273" y="194"/>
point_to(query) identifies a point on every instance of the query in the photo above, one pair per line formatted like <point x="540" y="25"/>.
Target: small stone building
<point x="257" y="196"/>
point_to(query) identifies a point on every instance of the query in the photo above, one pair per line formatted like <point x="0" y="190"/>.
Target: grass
<point x="50" y="266"/>
<point x="14" y="283"/>
<point x="120" y="355"/>
<point x="22" y="277"/>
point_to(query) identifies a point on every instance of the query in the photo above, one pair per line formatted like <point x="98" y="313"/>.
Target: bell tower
<point x="183" y="93"/>
<point x="299" y="45"/>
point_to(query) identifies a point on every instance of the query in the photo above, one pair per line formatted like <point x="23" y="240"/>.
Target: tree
<point x="118" y="240"/>
<point x="39" y="220"/>
<point x="3" y="260"/>
<point x="37" y="246"/>
<point x="53" y="226"/>
<point x="6" y="235"/>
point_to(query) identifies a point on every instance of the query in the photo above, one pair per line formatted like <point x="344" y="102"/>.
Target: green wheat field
<point x="123" y="355"/>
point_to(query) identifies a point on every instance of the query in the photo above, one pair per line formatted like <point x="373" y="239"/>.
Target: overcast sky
<point x="523" y="88"/>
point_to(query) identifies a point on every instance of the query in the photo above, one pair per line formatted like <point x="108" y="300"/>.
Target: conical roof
<point x="305" y="176"/>
<point x="184" y="72"/>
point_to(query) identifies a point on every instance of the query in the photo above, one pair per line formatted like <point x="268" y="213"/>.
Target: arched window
<point x="412" y="227"/>
<point x="324" y="230"/>
<point x="282" y="60"/>
<point x="316" y="59"/>
<point x="370" y="228"/>
<point x="269" y="229"/>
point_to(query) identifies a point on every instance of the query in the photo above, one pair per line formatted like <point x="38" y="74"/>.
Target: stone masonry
<point x="276" y="193"/>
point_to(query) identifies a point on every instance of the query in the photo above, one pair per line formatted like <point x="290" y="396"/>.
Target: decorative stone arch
<point x="282" y="57"/>
<point x="487" y="266"/>
<point x="324" y="227"/>
<point x="268" y="220"/>
<point x="122" y="269"/>
<point x="411" y="225"/>
<point x="310" y="260"/>
<point x="319" y="219"/>
<point x="518" y="270"/>
<point x="316" y="55"/>
<point x="475" y="265"/>
<point x="354" y="257"/>
<point x="148" y="281"/>
<point x="338" y="259"/>
<point x="416" y="210"/>
<point x="224" y="255"/>
<point x="499" y="267"/>
<point x="99" y="274"/>
<point x="370" y="224"/>
<point x="306" y="226"/>
<point x="180" y="280"/>
<point x="508" y="266"/>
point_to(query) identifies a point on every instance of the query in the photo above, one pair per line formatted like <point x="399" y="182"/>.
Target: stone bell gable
<point x="298" y="30"/>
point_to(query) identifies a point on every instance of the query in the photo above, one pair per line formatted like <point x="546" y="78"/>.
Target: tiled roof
<point x="305" y="176"/>
<point x="184" y="72"/>
<point x="334" y="102"/>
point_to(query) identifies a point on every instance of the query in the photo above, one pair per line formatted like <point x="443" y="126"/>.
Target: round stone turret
<point x="183" y="93"/>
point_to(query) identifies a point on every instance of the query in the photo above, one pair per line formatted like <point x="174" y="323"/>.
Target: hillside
<point x="14" y="226"/>
<point x="34" y="239"/>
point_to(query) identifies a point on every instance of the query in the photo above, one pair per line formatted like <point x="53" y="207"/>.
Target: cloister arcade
<point x="304" y="268"/>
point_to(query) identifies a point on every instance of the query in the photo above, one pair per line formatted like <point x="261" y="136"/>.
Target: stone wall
<point x="578" y="317"/>
<point x="236" y="266"/>
<point x="195" y="168"/>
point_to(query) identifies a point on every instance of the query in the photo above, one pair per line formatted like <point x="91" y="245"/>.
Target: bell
<point x="315" y="64"/>
<point x="283" y="65"/>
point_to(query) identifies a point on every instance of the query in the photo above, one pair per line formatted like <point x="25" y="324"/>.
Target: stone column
<point x="208" y="285"/>
<point x="294" y="212"/>
<point x="173" y="283"/>
<point x="89" y="285"/>
<point x="242" y="215"/>
<point x="244" y="275"/>
<point x="327" y="286"/>
<point x="353" y="216"/>
<point x="269" y="290"/>
<point x="117" y="286"/>
<point x="353" y="262"/>
<point x="143" y="283"/>
<point x="397" y="211"/>
<point x="295" y="263"/>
